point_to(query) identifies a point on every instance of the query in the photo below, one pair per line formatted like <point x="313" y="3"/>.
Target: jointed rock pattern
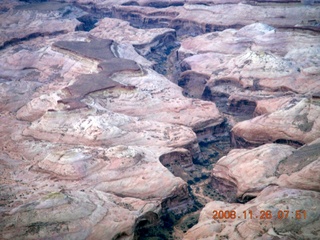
<point x="104" y="132"/>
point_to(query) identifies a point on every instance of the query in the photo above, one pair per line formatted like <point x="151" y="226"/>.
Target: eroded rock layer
<point x="97" y="143"/>
<point x="277" y="213"/>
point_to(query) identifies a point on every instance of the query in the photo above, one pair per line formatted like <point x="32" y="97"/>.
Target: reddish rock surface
<point x="297" y="121"/>
<point x="97" y="143"/>
<point x="271" y="201"/>
<point x="23" y="21"/>
<point x="230" y="174"/>
<point x="300" y="170"/>
<point x="142" y="39"/>
<point x="256" y="57"/>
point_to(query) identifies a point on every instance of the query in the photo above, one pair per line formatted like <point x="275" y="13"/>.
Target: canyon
<point x="141" y="119"/>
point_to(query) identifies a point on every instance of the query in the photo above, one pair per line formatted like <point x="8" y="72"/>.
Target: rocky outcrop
<point x="296" y="121"/>
<point x="268" y="164"/>
<point x="253" y="173"/>
<point x="75" y="215"/>
<point x="230" y="174"/>
<point x="155" y="44"/>
<point x="266" y="106"/>
<point x="23" y="22"/>
<point x="254" y="82"/>
<point x="143" y="39"/>
<point x="275" y="213"/>
<point x="300" y="170"/>
<point x="245" y="59"/>
<point x="266" y="82"/>
<point x="194" y="19"/>
<point x="92" y="134"/>
<point x="240" y="70"/>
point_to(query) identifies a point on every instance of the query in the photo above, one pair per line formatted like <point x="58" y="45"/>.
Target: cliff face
<point x="114" y="113"/>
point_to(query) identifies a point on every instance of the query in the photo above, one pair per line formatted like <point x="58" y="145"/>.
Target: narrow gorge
<point x="169" y="119"/>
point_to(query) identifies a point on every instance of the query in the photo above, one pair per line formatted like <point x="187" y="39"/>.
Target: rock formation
<point x="275" y="214"/>
<point x="113" y="115"/>
<point x="295" y="122"/>
<point x="83" y="130"/>
<point x="230" y="174"/>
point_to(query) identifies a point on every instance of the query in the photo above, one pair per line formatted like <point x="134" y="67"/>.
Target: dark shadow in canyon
<point x="214" y="142"/>
<point x="88" y="22"/>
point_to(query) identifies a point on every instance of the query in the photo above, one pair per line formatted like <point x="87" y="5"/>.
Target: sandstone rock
<point x="23" y="22"/>
<point x="301" y="222"/>
<point x="230" y="174"/>
<point x="153" y="99"/>
<point x="241" y="69"/>
<point x="15" y="94"/>
<point x="247" y="59"/>
<point x="8" y="4"/>
<point x="301" y="169"/>
<point x="306" y="178"/>
<point x="295" y="122"/>
<point x="155" y="44"/>
<point x="37" y="61"/>
<point x="76" y="215"/>
<point x="78" y="90"/>
<point x="68" y="68"/>
<point x="142" y="39"/>
<point x="73" y="164"/>
<point x="179" y="162"/>
<point x="98" y="173"/>
<point x="267" y="164"/>
<point x="200" y="18"/>
<point x="266" y="106"/>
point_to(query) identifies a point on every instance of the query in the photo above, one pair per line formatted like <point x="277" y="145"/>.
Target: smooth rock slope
<point x="117" y="117"/>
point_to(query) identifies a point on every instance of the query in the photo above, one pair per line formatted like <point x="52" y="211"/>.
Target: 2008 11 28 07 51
<point x="263" y="214"/>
